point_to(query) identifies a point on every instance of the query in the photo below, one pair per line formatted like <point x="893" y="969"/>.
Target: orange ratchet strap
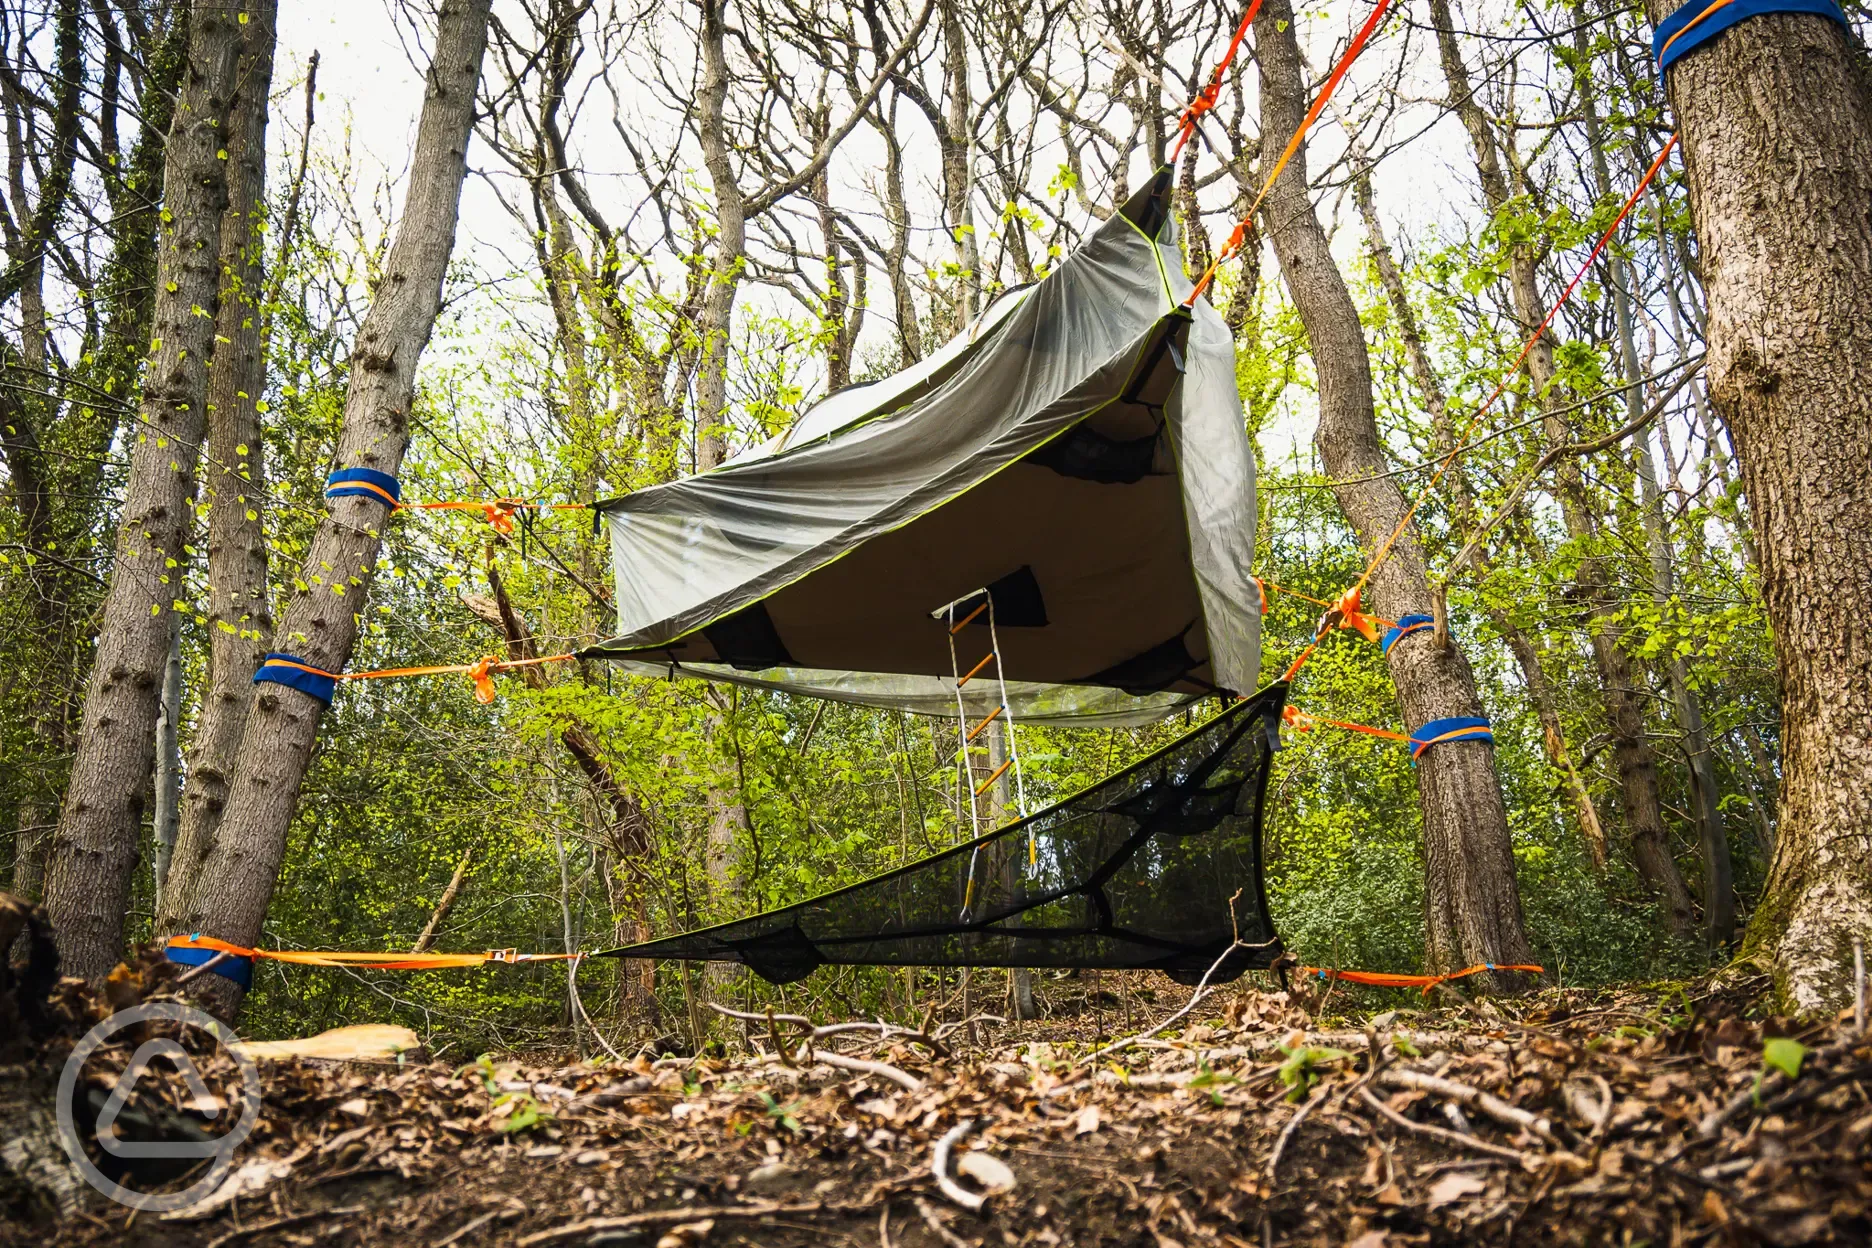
<point x="367" y="961"/>
<point x="1383" y="979"/>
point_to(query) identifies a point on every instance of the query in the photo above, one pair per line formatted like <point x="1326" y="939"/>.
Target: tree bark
<point x="1436" y="403"/>
<point x="240" y="615"/>
<point x="320" y="620"/>
<point x="1632" y="753"/>
<point x="1775" y="116"/>
<point x="95" y="849"/>
<point x="1473" y="905"/>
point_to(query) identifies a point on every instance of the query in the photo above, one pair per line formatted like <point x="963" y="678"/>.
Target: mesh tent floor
<point x="1158" y="866"/>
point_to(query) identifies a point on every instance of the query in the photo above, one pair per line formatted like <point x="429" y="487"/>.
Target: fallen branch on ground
<point x="939" y="1166"/>
<point x="1449" y="1137"/>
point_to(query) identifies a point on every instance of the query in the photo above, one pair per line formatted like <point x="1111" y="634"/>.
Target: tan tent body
<point x="1078" y="458"/>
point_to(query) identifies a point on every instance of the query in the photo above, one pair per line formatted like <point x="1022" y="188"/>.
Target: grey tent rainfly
<point x="1077" y="464"/>
<point x="1078" y="456"/>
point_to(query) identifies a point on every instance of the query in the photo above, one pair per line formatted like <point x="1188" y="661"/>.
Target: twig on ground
<point x="470" y="1227"/>
<point x="883" y="1070"/>
<point x="884" y="1226"/>
<point x="939" y="1167"/>
<point x="1196" y="998"/>
<point x="291" y="1219"/>
<point x="1475" y="1098"/>
<point x="1449" y="1137"/>
<point x="692" y="1213"/>
<point x="1287" y="1133"/>
<point x="934" y="1223"/>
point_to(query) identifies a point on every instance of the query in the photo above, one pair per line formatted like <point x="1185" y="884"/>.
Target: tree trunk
<point x="240" y="616"/>
<point x="94" y="851"/>
<point x="439" y="915"/>
<point x="1776" y="120"/>
<point x="1473" y="903"/>
<point x="717" y="319"/>
<point x="1718" y="874"/>
<point x="1632" y="753"/>
<point x="167" y="815"/>
<point x="237" y="878"/>
<point x="1436" y="403"/>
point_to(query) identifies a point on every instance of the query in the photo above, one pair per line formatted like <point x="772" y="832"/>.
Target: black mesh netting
<point x="1159" y="866"/>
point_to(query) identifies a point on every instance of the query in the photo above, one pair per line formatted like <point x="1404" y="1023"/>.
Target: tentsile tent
<point x="1076" y="464"/>
<point x="1078" y="456"/>
<point x="1157" y="867"/>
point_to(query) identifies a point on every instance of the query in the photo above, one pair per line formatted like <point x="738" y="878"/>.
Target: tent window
<point x="1017" y="602"/>
<point x="748" y="640"/>
<point x="1088" y="455"/>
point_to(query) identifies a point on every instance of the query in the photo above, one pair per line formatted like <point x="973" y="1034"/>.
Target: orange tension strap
<point x="499" y="512"/>
<point x="1234" y="245"/>
<point x="1383" y="979"/>
<point x="1207" y="97"/>
<point x="368" y="961"/>
<point x="1300" y="721"/>
<point x="480" y="672"/>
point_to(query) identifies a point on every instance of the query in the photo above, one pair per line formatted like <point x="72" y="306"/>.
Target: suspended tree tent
<point x="1067" y="486"/>
<point x="1078" y="456"/>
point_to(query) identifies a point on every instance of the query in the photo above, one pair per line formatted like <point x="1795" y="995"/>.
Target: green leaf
<point x="1784" y="1055"/>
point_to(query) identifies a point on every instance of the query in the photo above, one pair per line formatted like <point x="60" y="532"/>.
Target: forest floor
<point x="1661" y="1117"/>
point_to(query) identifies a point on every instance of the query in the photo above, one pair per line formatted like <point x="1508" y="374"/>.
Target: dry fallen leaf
<point x="1370" y="1239"/>
<point x="687" y="1234"/>
<point x="1087" y="1122"/>
<point x="357" y="1107"/>
<point x="993" y="1174"/>
<point x="1453" y="1187"/>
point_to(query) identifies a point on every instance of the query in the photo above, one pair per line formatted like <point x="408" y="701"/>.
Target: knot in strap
<point x="482" y="674"/>
<point x="295" y="673"/>
<point x="1442" y="731"/>
<point x="1345" y="613"/>
<point x="1262" y="590"/>
<point x="500" y="513"/>
<point x="1297" y="719"/>
<point x="1700" y="21"/>
<point x="1403" y="628"/>
<point x="364" y="483"/>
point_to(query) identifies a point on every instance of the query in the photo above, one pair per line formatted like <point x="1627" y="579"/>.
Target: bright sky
<point x="367" y="80"/>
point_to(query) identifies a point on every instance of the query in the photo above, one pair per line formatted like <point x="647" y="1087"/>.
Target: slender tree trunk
<point x="1776" y="120"/>
<point x="168" y="812"/>
<point x="1436" y="403"/>
<point x="439" y="916"/>
<point x="95" y="849"/>
<point x="237" y="878"/>
<point x="1718" y="874"/>
<point x="1005" y="809"/>
<point x="1473" y="903"/>
<point x="716" y="323"/>
<point x="240" y="616"/>
<point x="1632" y="753"/>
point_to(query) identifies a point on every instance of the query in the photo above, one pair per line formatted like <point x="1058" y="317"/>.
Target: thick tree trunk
<point x="1473" y="903"/>
<point x="240" y="615"/>
<point x="95" y="848"/>
<point x="1632" y="753"/>
<point x="236" y="879"/>
<point x="1776" y="120"/>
